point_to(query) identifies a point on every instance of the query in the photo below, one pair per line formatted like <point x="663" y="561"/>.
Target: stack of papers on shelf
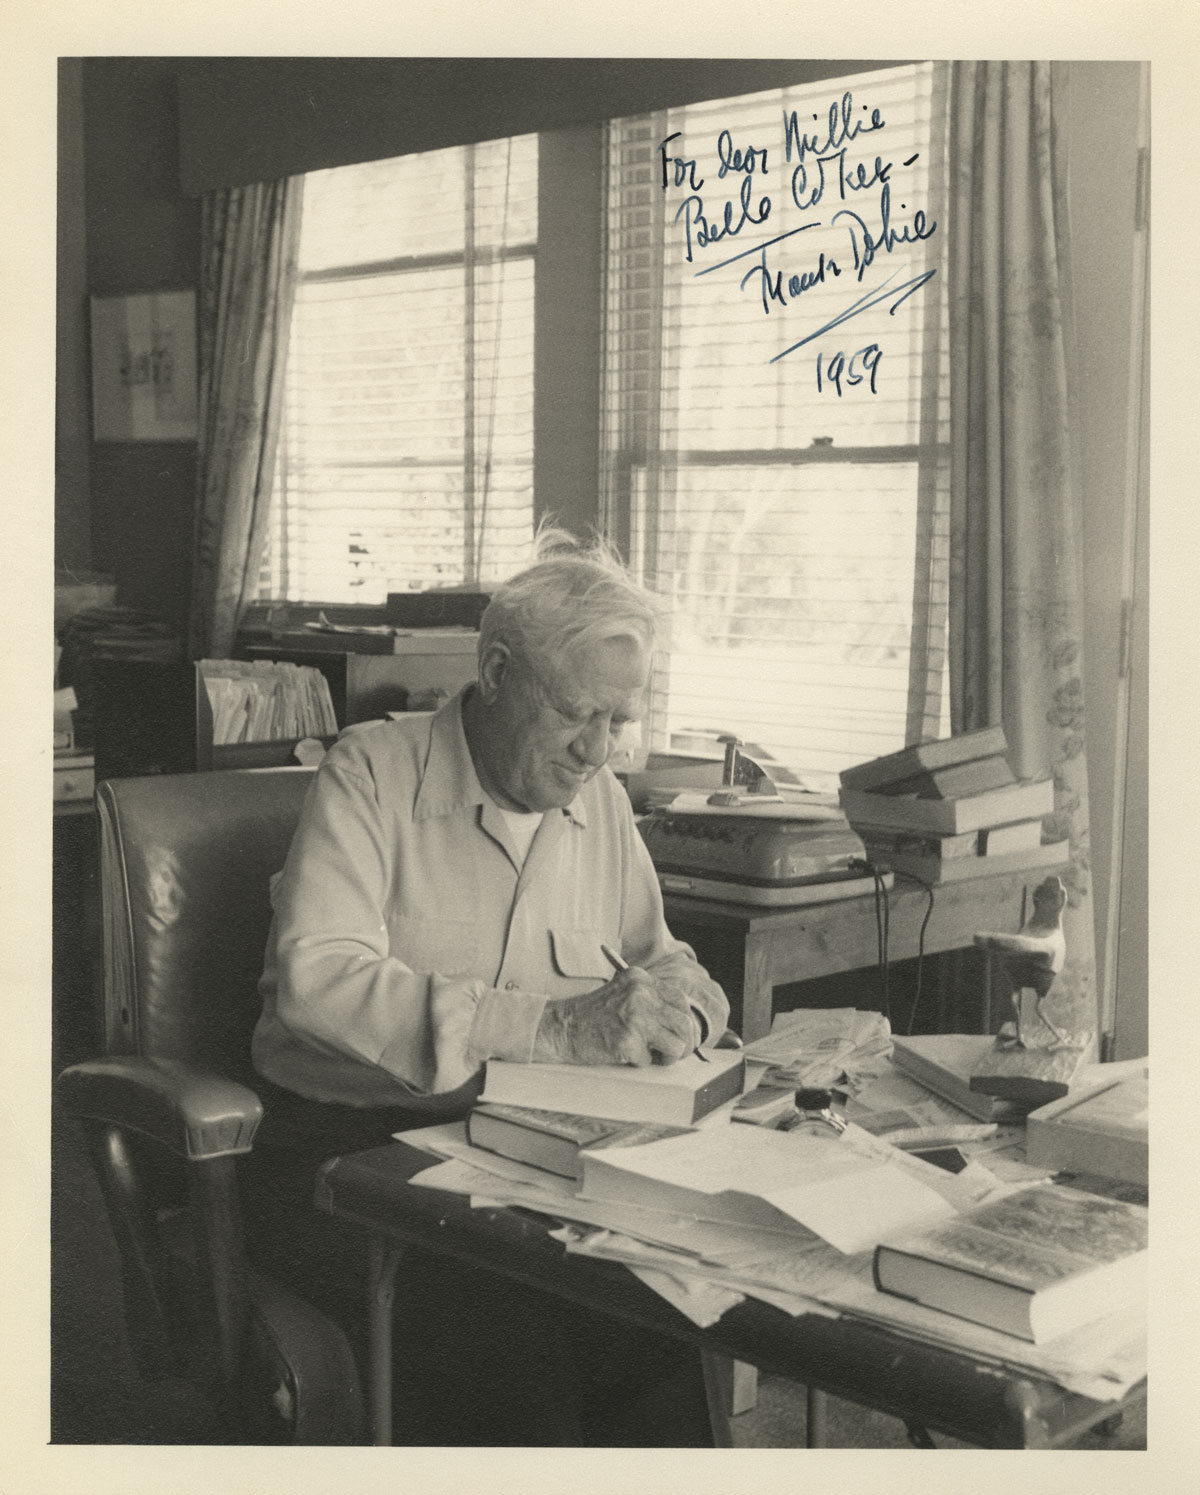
<point x="266" y="701"/>
<point x="65" y="703"/>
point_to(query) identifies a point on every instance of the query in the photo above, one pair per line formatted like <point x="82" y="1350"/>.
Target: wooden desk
<point x="923" y="1385"/>
<point x="750" y="951"/>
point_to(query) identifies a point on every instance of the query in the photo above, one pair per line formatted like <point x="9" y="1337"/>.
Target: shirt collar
<point x="449" y="781"/>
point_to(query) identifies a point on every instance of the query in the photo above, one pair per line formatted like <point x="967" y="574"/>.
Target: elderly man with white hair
<point x="454" y="880"/>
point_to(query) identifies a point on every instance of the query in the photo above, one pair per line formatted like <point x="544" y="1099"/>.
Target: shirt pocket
<point x="577" y="954"/>
<point x="445" y="947"/>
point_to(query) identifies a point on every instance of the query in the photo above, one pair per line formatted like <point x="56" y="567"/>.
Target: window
<point x="406" y="451"/>
<point x="785" y="486"/>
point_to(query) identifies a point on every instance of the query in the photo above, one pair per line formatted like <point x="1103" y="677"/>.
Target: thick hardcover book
<point x="553" y="1140"/>
<point x="955" y="779"/>
<point x="1034" y="1264"/>
<point x="935" y="869"/>
<point x="950" y="817"/>
<point x="1104" y="1131"/>
<point x="993" y="841"/>
<point x="674" y="1094"/>
<point x="924" y="757"/>
<point x="881" y="841"/>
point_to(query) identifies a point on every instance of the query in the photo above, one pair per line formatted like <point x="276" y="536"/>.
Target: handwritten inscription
<point x="700" y="232"/>
<point x="847" y="206"/>
<point x="863" y="365"/>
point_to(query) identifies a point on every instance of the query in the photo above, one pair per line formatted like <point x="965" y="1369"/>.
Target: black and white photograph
<point x="599" y="899"/>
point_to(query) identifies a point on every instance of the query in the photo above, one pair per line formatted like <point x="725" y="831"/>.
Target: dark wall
<point x="72" y="502"/>
<point x="141" y="235"/>
<point x="248" y="119"/>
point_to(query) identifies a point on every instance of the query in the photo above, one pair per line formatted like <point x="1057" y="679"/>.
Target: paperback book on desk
<point x="1035" y="1264"/>
<point x="674" y="1094"/>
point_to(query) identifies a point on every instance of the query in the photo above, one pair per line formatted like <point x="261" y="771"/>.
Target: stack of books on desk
<point x="547" y="1115"/>
<point x="654" y="1159"/>
<point x="949" y="810"/>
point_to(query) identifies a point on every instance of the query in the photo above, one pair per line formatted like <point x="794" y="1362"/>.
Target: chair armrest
<point x="194" y="1114"/>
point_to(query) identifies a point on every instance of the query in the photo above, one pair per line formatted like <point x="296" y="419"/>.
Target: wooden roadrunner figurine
<point x="1034" y="1058"/>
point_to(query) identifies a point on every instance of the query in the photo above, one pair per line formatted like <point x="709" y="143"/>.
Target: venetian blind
<point x="406" y="454"/>
<point x="776" y="413"/>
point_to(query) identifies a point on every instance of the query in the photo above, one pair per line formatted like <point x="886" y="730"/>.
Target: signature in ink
<point x="771" y="284"/>
<point x="896" y="294"/>
<point x="867" y="242"/>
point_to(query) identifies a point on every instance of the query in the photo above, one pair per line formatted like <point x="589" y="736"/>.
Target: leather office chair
<point x="185" y="864"/>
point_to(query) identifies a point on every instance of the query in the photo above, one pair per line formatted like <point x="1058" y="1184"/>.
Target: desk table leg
<point x="815" y="1428"/>
<point x="758" y="988"/>
<point x="382" y="1262"/>
<point x="718" y="1391"/>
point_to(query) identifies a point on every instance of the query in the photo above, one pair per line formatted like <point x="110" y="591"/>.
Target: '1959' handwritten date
<point x="837" y="370"/>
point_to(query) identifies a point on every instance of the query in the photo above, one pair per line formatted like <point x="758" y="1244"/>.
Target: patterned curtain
<point x="1016" y="644"/>
<point x="249" y="241"/>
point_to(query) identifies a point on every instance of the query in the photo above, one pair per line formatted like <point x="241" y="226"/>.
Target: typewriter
<point x="745" y="842"/>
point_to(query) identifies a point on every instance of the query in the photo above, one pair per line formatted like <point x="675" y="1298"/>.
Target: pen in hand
<point x="618" y="964"/>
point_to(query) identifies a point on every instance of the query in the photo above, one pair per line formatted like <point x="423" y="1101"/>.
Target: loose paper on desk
<point x="832" y="1186"/>
<point x="823" y="1047"/>
<point x="787" y="1265"/>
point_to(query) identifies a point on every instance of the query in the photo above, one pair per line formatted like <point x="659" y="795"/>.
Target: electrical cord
<point x="883" y="933"/>
<point x="882" y="927"/>
<point x="916" y="1001"/>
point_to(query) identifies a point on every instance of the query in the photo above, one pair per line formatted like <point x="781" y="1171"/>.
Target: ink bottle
<point x="814" y="1114"/>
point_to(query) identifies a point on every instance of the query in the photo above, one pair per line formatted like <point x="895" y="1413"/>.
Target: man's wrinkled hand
<point x="628" y="1020"/>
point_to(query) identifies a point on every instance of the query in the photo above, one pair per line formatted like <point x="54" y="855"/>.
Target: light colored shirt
<point x="410" y="939"/>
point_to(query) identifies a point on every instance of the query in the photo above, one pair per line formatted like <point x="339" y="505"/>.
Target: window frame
<point x="569" y="482"/>
<point x="265" y="610"/>
<point x="625" y="500"/>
